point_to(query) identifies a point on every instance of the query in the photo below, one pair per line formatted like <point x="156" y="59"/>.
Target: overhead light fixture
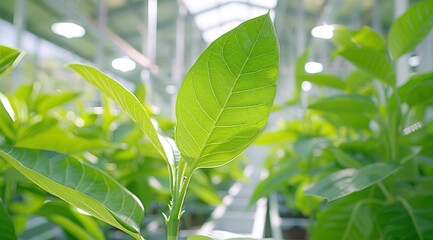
<point x="306" y="86"/>
<point x="414" y="61"/>
<point x="325" y="31"/>
<point x="313" y="67"/>
<point x="123" y="64"/>
<point x="171" y="89"/>
<point x="68" y="29"/>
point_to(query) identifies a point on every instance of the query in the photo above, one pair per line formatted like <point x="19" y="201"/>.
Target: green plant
<point x="374" y="168"/>
<point x="221" y="108"/>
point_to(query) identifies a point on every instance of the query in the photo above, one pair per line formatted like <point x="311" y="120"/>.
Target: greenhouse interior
<point x="216" y="119"/>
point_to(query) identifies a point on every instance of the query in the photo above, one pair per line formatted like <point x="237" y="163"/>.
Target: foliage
<point x="233" y="80"/>
<point x="363" y="147"/>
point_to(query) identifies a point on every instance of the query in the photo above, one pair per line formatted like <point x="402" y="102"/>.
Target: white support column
<point x="19" y="21"/>
<point x="402" y="67"/>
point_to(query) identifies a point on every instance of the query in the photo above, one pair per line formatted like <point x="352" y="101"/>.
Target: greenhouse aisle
<point x="233" y="215"/>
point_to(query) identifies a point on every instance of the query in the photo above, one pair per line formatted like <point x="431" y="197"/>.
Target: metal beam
<point x="103" y="33"/>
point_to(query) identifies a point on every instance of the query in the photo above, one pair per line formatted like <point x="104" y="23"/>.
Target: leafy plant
<point x="221" y="108"/>
<point x="373" y="166"/>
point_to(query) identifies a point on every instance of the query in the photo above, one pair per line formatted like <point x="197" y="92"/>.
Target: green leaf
<point x="81" y="185"/>
<point x="365" y="37"/>
<point x="227" y="95"/>
<point x="9" y="58"/>
<point x="325" y="80"/>
<point x="125" y="99"/>
<point x="274" y="181"/>
<point x="408" y="219"/>
<point x="345" y="104"/>
<point x="7" y="229"/>
<point x="203" y="189"/>
<point x="373" y="62"/>
<point x="56" y="139"/>
<point x="411" y="28"/>
<point x="45" y="102"/>
<point x="344" y="159"/>
<point x="7" y="116"/>
<point x="347" y="219"/>
<point x="75" y="224"/>
<point x="350" y="180"/>
<point x="417" y="89"/>
<point x="353" y="120"/>
<point x="356" y="80"/>
<point x="276" y="137"/>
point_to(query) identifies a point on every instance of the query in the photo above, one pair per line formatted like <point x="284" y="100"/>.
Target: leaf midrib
<point x="228" y="98"/>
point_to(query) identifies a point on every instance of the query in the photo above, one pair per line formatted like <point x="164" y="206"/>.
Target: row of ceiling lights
<point x="73" y="30"/>
<point x="125" y="64"/>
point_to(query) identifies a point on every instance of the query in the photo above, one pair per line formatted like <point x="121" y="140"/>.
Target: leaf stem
<point x="385" y="191"/>
<point x="182" y="183"/>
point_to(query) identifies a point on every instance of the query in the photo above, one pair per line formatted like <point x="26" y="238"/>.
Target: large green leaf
<point x="74" y="223"/>
<point x="344" y="159"/>
<point x="408" y="219"/>
<point x="417" y="89"/>
<point x="356" y="80"/>
<point x="325" y="80"/>
<point x="365" y="37"/>
<point x="56" y="139"/>
<point x="347" y="219"/>
<point x="7" y="229"/>
<point x="81" y="185"/>
<point x="371" y="61"/>
<point x="350" y="180"/>
<point x="45" y="102"/>
<point x="227" y="95"/>
<point x="202" y="188"/>
<point x="345" y="104"/>
<point x="273" y="182"/>
<point x="125" y="99"/>
<point x="278" y="136"/>
<point x="411" y="28"/>
<point x="9" y="57"/>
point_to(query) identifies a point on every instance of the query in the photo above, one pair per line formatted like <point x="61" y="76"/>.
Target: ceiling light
<point x="313" y="67"/>
<point x="214" y="33"/>
<point x="324" y="31"/>
<point x="171" y="89"/>
<point x="123" y="64"/>
<point x="68" y="29"/>
<point x="413" y="61"/>
<point x="306" y="86"/>
<point x="195" y="6"/>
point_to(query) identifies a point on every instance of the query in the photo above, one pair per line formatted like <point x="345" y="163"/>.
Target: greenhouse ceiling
<point x="165" y="35"/>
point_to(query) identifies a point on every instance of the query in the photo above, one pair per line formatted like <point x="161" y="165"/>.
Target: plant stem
<point x="385" y="191"/>
<point x="176" y="208"/>
<point x="9" y="191"/>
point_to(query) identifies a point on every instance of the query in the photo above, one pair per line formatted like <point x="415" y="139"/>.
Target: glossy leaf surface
<point x="408" y="219"/>
<point x="417" y="89"/>
<point x="78" y="225"/>
<point x="273" y="182"/>
<point x="347" y="181"/>
<point x="9" y="57"/>
<point x="411" y="28"/>
<point x="81" y="185"/>
<point x="347" y="219"/>
<point x="227" y="95"/>
<point x="373" y="62"/>
<point x="7" y="229"/>
<point x="56" y="139"/>
<point x="325" y="80"/>
<point x="345" y="104"/>
<point x="124" y="98"/>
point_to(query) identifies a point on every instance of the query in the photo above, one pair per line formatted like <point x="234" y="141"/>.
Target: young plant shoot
<point x="222" y="106"/>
